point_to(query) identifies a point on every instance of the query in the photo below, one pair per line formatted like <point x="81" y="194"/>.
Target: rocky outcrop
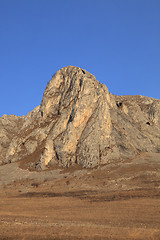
<point x="80" y="122"/>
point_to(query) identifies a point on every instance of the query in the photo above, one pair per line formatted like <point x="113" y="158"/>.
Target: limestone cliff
<point x="80" y="122"/>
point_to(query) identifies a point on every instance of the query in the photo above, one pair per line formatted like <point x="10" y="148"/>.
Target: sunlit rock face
<point x="79" y="106"/>
<point x="80" y="122"/>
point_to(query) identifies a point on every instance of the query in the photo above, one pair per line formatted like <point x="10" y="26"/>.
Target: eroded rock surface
<point x="80" y="122"/>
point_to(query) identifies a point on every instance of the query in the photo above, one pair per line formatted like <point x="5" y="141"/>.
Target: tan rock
<point x="80" y="122"/>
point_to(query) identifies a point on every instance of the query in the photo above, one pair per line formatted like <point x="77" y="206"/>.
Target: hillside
<point x="80" y="123"/>
<point x="84" y="165"/>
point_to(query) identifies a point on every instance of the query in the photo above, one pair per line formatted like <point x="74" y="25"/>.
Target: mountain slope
<point x="80" y="122"/>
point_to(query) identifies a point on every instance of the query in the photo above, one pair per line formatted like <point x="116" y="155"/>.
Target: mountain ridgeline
<point x="80" y="123"/>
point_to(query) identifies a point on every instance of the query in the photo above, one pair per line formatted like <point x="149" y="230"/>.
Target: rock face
<point x="80" y="122"/>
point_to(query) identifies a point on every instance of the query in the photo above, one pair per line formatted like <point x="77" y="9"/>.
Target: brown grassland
<point x="118" y="201"/>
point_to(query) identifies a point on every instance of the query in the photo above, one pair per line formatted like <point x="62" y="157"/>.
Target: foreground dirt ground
<point x="117" y="201"/>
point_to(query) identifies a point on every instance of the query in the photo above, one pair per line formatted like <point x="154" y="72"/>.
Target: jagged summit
<point x="80" y="122"/>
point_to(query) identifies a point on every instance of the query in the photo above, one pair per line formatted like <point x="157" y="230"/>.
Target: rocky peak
<point x="71" y="99"/>
<point x="80" y="122"/>
<point x="66" y="87"/>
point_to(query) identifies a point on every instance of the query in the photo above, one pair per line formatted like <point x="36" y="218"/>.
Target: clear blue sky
<point x="116" y="40"/>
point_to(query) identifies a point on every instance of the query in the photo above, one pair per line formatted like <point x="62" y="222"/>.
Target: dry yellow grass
<point x="115" y="202"/>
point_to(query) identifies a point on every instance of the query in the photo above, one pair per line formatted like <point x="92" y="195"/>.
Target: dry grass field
<point x="118" y="201"/>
